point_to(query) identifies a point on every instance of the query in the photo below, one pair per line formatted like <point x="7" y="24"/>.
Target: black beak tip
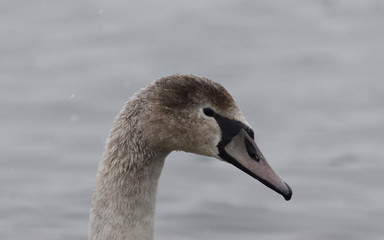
<point x="288" y="195"/>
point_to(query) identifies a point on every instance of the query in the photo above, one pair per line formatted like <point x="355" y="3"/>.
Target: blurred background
<point x="308" y="76"/>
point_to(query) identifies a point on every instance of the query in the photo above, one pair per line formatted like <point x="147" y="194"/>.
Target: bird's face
<point x="227" y="136"/>
<point x="205" y="120"/>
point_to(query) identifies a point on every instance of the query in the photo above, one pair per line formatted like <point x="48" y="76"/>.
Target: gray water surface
<point x="308" y="76"/>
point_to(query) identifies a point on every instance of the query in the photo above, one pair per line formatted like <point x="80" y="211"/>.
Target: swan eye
<point x="209" y="112"/>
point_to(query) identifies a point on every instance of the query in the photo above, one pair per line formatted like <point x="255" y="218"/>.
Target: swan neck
<point x="123" y="204"/>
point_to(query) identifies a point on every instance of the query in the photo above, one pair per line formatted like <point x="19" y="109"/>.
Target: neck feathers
<point x="123" y="205"/>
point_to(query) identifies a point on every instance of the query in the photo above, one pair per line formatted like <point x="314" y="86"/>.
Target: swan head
<point x="197" y="115"/>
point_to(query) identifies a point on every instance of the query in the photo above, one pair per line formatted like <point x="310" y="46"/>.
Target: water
<point x="307" y="75"/>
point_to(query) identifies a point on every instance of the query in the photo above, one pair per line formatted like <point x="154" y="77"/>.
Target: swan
<point x="178" y="112"/>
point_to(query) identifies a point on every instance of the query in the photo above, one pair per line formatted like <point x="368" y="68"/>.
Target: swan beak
<point x="243" y="152"/>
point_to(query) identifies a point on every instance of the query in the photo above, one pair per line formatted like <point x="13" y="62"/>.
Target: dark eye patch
<point x="229" y="127"/>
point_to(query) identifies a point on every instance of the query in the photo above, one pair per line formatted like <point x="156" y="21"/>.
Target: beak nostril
<point x="251" y="150"/>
